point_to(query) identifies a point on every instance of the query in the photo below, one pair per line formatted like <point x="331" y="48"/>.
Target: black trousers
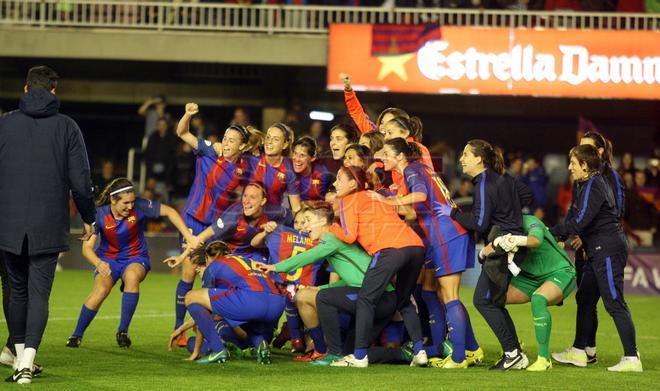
<point x="30" y="280"/>
<point x="602" y="277"/>
<point x="4" y="280"/>
<point x="404" y="263"/>
<point x="329" y="302"/>
<point x="497" y="317"/>
<point x="586" y="297"/>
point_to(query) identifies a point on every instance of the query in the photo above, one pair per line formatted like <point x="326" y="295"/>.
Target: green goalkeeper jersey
<point x="349" y="261"/>
<point x="548" y="257"/>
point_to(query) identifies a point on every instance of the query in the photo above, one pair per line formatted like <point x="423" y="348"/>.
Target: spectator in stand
<point x="200" y="127"/>
<point x="648" y="193"/>
<point x="627" y="164"/>
<point x="241" y="117"/>
<point x="161" y="148"/>
<point x="152" y="110"/>
<point x="652" y="168"/>
<point x="100" y="181"/>
<point x="536" y="179"/>
<point x="184" y="170"/>
<point x="515" y="164"/>
<point x="641" y="216"/>
<point x="316" y="132"/>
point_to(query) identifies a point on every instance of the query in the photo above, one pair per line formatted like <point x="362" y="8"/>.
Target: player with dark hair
<point x="121" y="220"/>
<point x="312" y="177"/>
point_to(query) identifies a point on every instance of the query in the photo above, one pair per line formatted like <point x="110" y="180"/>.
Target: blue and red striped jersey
<point x="437" y="229"/>
<point x="276" y="180"/>
<point x="124" y="239"/>
<point x="284" y="243"/>
<point x="216" y="179"/>
<point x="237" y="231"/>
<point x="313" y="187"/>
<point x="236" y="272"/>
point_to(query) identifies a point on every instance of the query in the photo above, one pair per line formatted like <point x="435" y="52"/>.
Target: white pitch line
<point x="105" y="317"/>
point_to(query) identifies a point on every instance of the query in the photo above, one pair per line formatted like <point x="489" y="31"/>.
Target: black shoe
<point x="508" y="361"/>
<point x="37" y="369"/>
<point x="73" y="342"/>
<point x="592" y="359"/>
<point x="24" y="376"/>
<point x="122" y="339"/>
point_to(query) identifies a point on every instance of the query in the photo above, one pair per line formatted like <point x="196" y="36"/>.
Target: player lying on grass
<point x="121" y="220"/>
<point x="237" y="293"/>
<point x="546" y="278"/>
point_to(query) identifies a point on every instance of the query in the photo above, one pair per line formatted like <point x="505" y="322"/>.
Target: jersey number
<point x="295" y="275"/>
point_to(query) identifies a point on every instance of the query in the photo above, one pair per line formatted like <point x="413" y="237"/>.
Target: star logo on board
<point x="394" y="64"/>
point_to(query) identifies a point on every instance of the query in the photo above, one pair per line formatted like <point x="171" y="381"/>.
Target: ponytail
<point x="490" y="157"/>
<point x="214" y="249"/>
<point x="114" y="190"/>
<point x="255" y="139"/>
<point x="601" y="142"/>
<point x="410" y="150"/>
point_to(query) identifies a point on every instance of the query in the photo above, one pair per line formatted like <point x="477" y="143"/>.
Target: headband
<point x="242" y="131"/>
<point x="123" y="189"/>
<point x="283" y="128"/>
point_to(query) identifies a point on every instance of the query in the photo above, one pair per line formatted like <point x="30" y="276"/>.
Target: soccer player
<point x="397" y="251"/>
<point x="496" y="202"/>
<point x="237" y="293"/>
<point x="546" y="278"/>
<point x="341" y="136"/>
<point x="449" y="250"/>
<point x="122" y="253"/>
<point x="587" y="295"/>
<point x="274" y="169"/>
<point x="598" y="224"/>
<point x="313" y="178"/>
<point x="219" y="172"/>
<point x="282" y="243"/>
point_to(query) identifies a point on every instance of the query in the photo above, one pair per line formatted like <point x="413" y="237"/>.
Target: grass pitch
<point x="100" y="365"/>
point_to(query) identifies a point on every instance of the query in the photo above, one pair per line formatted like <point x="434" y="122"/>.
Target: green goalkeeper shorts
<point x="528" y="284"/>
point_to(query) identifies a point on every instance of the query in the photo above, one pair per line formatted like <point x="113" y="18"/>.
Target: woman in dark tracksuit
<point x="597" y="222"/>
<point x="587" y="296"/>
<point x="496" y="202"/>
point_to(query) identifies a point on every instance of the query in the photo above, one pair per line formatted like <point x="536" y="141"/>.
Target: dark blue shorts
<point x="238" y="306"/>
<point x="117" y="268"/>
<point x="454" y="256"/>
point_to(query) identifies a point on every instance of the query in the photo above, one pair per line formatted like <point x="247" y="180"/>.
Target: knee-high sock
<point x="204" y="321"/>
<point x="457" y="324"/>
<point x="542" y="324"/>
<point x="129" y="302"/>
<point x="293" y="321"/>
<point x="84" y="319"/>
<point x="470" y="341"/>
<point x="437" y="321"/>
<point x="317" y="337"/>
<point x="422" y="311"/>
<point x="180" y="302"/>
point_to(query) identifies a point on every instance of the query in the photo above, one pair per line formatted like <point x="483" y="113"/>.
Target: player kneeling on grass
<point x="237" y="293"/>
<point x="547" y="277"/>
<point x="121" y="220"/>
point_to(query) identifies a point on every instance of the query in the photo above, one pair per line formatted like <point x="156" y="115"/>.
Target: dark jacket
<point x="42" y="160"/>
<point x="497" y="201"/>
<point x="595" y="217"/>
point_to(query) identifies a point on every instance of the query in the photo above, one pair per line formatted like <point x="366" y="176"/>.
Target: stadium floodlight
<point x="321" y="116"/>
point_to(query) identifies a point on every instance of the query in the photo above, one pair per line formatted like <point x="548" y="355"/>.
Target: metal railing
<point x="160" y="16"/>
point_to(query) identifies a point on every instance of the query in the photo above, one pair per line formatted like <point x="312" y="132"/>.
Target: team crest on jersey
<point x="316" y="181"/>
<point x="131" y="219"/>
<point x="239" y="171"/>
<point x="281" y="176"/>
<point x="207" y="142"/>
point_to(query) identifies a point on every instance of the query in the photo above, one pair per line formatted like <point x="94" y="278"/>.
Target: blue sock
<point x="317" y="337"/>
<point x="180" y="303"/>
<point x="129" y="302"/>
<point x="293" y="321"/>
<point x="204" y="321"/>
<point x="84" y="319"/>
<point x="227" y="334"/>
<point x="360" y="353"/>
<point x="457" y="324"/>
<point x="191" y="346"/>
<point x="437" y="321"/>
<point x="470" y="341"/>
<point x="418" y="346"/>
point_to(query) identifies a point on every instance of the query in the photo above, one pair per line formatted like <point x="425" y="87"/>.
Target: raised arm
<point x="183" y="127"/>
<point x="354" y="107"/>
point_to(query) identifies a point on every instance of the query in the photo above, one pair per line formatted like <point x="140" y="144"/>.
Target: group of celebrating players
<point x="365" y="253"/>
